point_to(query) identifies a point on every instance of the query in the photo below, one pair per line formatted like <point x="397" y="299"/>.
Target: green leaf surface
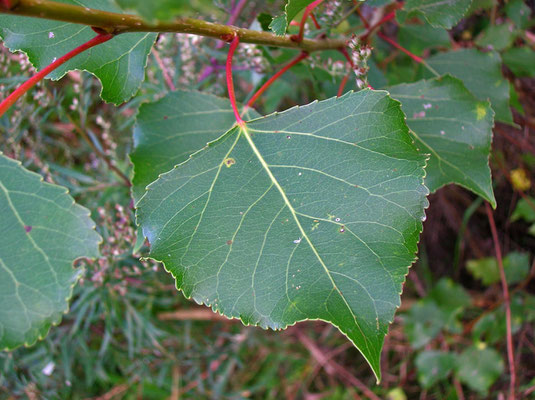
<point x="423" y="322"/>
<point x="279" y="25"/>
<point x="418" y="38"/>
<point x="481" y="74"/>
<point x="164" y="10"/>
<point x="439" y="13"/>
<point x="313" y="213"/>
<point x="515" y="265"/>
<point x="497" y="37"/>
<point x="44" y="232"/>
<point x="119" y="63"/>
<point x="479" y="368"/>
<point x="169" y="130"/>
<point x="525" y="209"/>
<point x="520" y="13"/>
<point x="455" y="128"/>
<point x="520" y="60"/>
<point x="434" y="366"/>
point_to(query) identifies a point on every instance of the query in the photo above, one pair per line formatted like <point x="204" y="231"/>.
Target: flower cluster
<point x="360" y="53"/>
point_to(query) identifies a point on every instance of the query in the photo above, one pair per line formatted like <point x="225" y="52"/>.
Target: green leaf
<point x="455" y="128"/>
<point x="515" y="265"/>
<point x="481" y="74"/>
<point x="525" y="209"/>
<point x="434" y="366"/>
<point x="44" y="232"/>
<point x="439" y="13"/>
<point x="279" y="25"/>
<point x="119" y="63"/>
<point x="418" y="38"/>
<point x="423" y="322"/>
<point x="520" y="60"/>
<point x="169" y="130"/>
<point x="164" y="10"/>
<point x="479" y="367"/>
<point x="313" y="213"/>
<point x="520" y="13"/>
<point x="497" y="37"/>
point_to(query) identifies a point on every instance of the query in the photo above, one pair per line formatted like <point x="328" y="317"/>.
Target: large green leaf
<point x="169" y="130"/>
<point x="455" y="128"/>
<point x="481" y="73"/>
<point x="119" y="63"/>
<point x="313" y="213"/>
<point x="44" y="232"/>
<point x="439" y="13"/>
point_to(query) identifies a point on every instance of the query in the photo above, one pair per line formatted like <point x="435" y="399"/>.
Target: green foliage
<point x="449" y="123"/>
<point x="481" y="74"/>
<point x="434" y="366"/>
<point x="44" y="233"/>
<point x="279" y="25"/>
<point x="515" y="265"/>
<point x="479" y="367"/>
<point x="119" y="64"/>
<point x="439" y="13"/>
<point x="317" y="201"/>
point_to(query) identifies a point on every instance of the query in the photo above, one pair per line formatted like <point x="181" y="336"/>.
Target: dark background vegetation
<point x="130" y="335"/>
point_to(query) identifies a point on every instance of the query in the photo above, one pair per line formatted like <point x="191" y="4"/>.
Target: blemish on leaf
<point x="229" y="162"/>
<point x="229" y="242"/>
<point x="288" y="137"/>
<point x="342" y="229"/>
<point x="481" y="111"/>
<point x="297" y="241"/>
<point x="28" y="228"/>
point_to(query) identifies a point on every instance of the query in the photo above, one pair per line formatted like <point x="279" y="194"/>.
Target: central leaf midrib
<point x="245" y="133"/>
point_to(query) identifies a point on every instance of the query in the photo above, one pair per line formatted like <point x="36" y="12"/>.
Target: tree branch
<point x="117" y="23"/>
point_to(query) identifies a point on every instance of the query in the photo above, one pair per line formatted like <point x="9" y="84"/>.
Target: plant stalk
<point x="117" y="23"/>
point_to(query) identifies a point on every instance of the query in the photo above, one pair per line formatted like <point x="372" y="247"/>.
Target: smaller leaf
<point x="423" y="322"/>
<point x="418" y="38"/>
<point x="521" y="61"/>
<point x="44" y="231"/>
<point x="279" y="25"/>
<point x="451" y="125"/>
<point x="481" y="73"/>
<point x="525" y="209"/>
<point x="479" y="367"/>
<point x="515" y="265"/>
<point x="439" y="13"/>
<point x="497" y="37"/>
<point x="434" y="366"/>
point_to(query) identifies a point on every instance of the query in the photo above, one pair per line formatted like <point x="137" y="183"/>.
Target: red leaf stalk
<point x="507" y="302"/>
<point x="22" y="89"/>
<point x="266" y="85"/>
<point x="307" y="12"/>
<point x="230" y="83"/>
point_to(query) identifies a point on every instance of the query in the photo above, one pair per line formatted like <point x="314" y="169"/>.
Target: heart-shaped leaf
<point x="44" y="232"/>
<point x="313" y="213"/>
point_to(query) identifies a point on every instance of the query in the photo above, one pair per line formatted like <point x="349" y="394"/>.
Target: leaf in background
<point x="418" y="38"/>
<point x="497" y="37"/>
<point x="279" y="25"/>
<point x="479" y="367"/>
<point x="119" y="64"/>
<point x="455" y="128"/>
<point x="169" y="130"/>
<point x="423" y="322"/>
<point x="434" y="366"/>
<point x="520" y="13"/>
<point x="439" y="13"/>
<point x="44" y="232"/>
<point x="521" y="61"/>
<point x="515" y="265"/>
<point x="481" y="73"/>
<point x="525" y="209"/>
<point x="313" y="213"/>
<point x="164" y="10"/>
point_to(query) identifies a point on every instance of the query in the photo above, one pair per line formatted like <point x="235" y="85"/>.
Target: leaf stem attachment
<point x="26" y="86"/>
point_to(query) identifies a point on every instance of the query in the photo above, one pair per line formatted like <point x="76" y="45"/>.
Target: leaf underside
<point x="44" y="232"/>
<point x="119" y="63"/>
<point x="455" y="128"/>
<point x="313" y="213"/>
